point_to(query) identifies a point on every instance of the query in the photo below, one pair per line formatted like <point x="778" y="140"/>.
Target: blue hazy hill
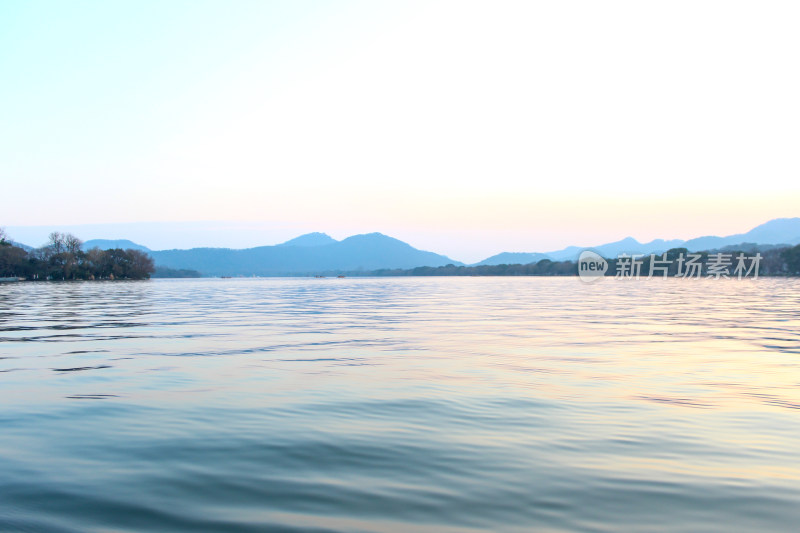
<point x="108" y="244"/>
<point x="512" y="258"/>
<point x="310" y="239"/>
<point x="777" y="231"/>
<point x="360" y="252"/>
<point x="628" y="245"/>
<point x="20" y="245"/>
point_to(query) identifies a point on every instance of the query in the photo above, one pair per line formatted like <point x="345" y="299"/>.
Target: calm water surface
<point x="416" y="404"/>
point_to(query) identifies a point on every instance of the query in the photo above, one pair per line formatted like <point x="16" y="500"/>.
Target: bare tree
<point x="3" y="236"/>
<point x="71" y="254"/>
<point x="56" y="242"/>
<point x="72" y="244"/>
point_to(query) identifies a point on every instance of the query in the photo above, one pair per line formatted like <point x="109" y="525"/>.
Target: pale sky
<point x="461" y="127"/>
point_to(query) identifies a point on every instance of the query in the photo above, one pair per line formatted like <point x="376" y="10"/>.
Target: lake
<point x="400" y="404"/>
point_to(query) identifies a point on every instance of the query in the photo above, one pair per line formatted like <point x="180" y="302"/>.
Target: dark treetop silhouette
<point x="64" y="259"/>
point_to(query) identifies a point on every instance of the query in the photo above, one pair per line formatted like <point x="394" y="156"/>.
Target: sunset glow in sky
<point x="465" y="128"/>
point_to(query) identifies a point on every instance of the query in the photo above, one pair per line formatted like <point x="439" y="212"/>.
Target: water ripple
<point x="418" y="404"/>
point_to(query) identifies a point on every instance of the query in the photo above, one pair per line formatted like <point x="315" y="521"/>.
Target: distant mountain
<point x="512" y="258"/>
<point x="314" y="253"/>
<point x="310" y="239"/>
<point x="106" y="244"/>
<point x="749" y="247"/>
<point x="628" y="245"/>
<point x="360" y="252"/>
<point x="778" y="231"/>
<point x="20" y="245"/>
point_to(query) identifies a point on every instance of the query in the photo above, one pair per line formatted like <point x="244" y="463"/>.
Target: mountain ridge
<point x="364" y="252"/>
<point x="310" y="239"/>
<point x="316" y="252"/>
<point x="775" y="231"/>
<point x="106" y="244"/>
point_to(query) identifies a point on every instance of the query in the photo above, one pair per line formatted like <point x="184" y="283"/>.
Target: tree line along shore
<point x="63" y="258"/>
<point x="777" y="261"/>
